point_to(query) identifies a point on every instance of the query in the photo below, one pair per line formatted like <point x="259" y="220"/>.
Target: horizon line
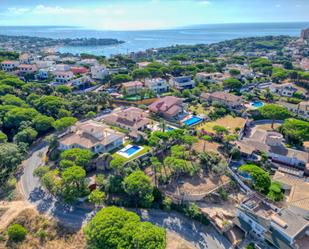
<point x="156" y="29"/>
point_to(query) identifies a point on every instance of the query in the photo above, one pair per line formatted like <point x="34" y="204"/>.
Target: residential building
<point x="132" y="87"/>
<point x="27" y="68"/>
<point x="25" y="58"/>
<point x="301" y="109"/>
<point x="286" y="228"/>
<point x="9" y="66"/>
<point x="211" y="77"/>
<point x="43" y="74"/>
<point x="271" y="143"/>
<point x="62" y="67"/>
<point x="230" y="100"/>
<point x="54" y="58"/>
<point x="44" y="64"/>
<point x="92" y="136"/>
<point x="286" y="90"/>
<point x="63" y="77"/>
<point x="88" y="62"/>
<point x="182" y="82"/>
<point x="158" y="85"/>
<point x="80" y="81"/>
<point x="131" y="118"/>
<point x="169" y="107"/>
<point x="99" y="72"/>
<point x="304" y="64"/>
<point x="79" y="70"/>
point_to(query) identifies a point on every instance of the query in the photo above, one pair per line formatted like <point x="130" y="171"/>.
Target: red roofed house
<point x="132" y="87"/>
<point x="27" y="68"/>
<point x="169" y="107"/>
<point x="79" y="70"/>
<point x="9" y="65"/>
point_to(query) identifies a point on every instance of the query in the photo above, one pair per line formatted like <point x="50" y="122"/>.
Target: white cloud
<point x="56" y="10"/>
<point x="18" y="11"/>
<point x="204" y="2"/>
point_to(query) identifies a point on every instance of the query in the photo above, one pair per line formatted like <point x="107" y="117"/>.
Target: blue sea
<point x="142" y="40"/>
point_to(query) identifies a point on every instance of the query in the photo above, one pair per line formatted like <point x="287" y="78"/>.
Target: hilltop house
<point x="230" y="100"/>
<point x="158" y="85"/>
<point x="99" y="72"/>
<point x="286" y="228"/>
<point x="79" y="70"/>
<point x="63" y="77"/>
<point x="62" y="67"/>
<point x="27" y="68"/>
<point x="301" y="109"/>
<point x="211" y="77"/>
<point x="93" y="136"/>
<point x="132" y="119"/>
<point x="286" y="90"/>
<point x="9" y="66"/>
<point x="270" y="142"/>
<point x="169" y="107"/>
<point x="25" y="58"/>
<point x="132" y="87"/>
<point x="182" y="82"/>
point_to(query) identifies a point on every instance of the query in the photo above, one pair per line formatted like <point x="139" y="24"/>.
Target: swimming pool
<point x="257" y="104"/>
<point x="193" y="121"/>
<point x="129" y="150"/>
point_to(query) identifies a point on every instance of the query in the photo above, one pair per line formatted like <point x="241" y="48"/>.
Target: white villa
<point x="93" y="136"/>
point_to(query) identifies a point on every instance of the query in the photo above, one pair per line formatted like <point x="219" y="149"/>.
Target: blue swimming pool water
<point x="132" y="150"/>
<point x="257" y="104"/>
<point x="246" y="176"/>
<point x="192" y="121"/>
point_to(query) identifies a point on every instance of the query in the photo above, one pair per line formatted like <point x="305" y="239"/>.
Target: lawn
<point x="228" y="122"/>
<point x="143" y="151"/>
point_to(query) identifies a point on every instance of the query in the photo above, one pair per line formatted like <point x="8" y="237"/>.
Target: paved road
<point x="194" y="232"/>
<point x="203" y="237"/>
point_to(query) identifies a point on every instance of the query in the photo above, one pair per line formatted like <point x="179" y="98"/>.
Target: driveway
<point x="74" y="217"/>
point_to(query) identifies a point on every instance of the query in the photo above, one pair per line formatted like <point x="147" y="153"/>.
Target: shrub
<point x="17" y="232"/>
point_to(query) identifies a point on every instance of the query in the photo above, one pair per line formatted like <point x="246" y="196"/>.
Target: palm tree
<point x="163" y="124"/>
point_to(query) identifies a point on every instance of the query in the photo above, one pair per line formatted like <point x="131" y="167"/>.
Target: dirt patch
<point x="2" y="211"/>
<point x="208" y="146"/>
<point x="43" y="233"/>
<point x="176" y="242"/>
<point x="12" y="210"/>
<point x="228" y="122"/>
<point x="196" y="185"/>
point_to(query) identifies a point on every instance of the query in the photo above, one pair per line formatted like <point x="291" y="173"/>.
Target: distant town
<point x="216" y="134"/>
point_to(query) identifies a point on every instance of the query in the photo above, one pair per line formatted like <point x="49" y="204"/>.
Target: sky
<point x="148" y="14"/>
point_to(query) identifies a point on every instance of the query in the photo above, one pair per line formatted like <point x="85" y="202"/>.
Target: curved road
<point x="75" y="216"/>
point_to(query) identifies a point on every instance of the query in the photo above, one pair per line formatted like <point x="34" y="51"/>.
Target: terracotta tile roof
<point x="132" y="84"/>
<point x="164" y="104"/>
<point x="89" y="134"/>
<point x="133" y="117"/>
